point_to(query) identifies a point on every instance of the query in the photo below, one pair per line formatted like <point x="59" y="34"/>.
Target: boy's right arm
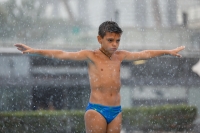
<point x="59" y="54"/>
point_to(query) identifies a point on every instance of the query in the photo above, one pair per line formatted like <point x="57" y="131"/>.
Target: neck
<point x="105" y="53"/>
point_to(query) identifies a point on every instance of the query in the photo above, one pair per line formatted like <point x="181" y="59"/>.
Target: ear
<point x="99" y="38"/>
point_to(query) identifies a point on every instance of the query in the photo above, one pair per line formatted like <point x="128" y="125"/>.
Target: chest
<point x="105" y="66"/>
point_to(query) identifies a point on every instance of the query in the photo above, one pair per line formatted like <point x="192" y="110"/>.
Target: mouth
<point x="113" y="49"/>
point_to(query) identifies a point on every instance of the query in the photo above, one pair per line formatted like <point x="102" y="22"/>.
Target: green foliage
<point x="159" y="118"/>
<point x="42" y="121"/>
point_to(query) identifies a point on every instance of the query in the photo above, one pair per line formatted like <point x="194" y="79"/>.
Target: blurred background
<point x="32" y="82"/>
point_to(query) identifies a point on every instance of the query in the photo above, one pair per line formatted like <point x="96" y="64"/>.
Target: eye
<point x="118" y="40"/>
<point x="110" y="40"/>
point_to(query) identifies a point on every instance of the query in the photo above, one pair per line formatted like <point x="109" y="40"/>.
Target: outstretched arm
<point x="146" y="54"/>
<point x="59" y="54"/>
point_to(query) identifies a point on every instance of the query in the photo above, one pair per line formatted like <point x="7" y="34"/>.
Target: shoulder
<point x="86" y="52"/>
<point x="122" y="52"/>
<point x="90" y="54"/>
<point x="127" y="55"/>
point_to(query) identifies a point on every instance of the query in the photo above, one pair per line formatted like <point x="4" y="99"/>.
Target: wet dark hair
<point x="109" y="26"/>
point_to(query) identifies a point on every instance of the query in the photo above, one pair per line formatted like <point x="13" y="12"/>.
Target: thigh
<point x="115" y="125"/>
<point x="94" y="122"/>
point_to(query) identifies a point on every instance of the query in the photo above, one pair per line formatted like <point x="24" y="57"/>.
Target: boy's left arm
<point x="146" y="54"/>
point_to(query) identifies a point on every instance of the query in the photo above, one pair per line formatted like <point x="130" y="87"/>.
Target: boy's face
<point x="110" y="42"/>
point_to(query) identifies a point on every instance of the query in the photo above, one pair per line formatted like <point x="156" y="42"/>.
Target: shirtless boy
<point x="103" y="113"/>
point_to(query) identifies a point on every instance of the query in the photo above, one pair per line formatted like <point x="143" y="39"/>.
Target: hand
<point x="23" y="48"/>
<point x="175" y="51"/>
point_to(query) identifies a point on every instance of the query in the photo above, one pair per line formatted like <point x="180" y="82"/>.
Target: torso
<point x="104" y="76"/>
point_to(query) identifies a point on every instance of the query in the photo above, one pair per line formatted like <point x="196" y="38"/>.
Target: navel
<point x="101" y="69"/>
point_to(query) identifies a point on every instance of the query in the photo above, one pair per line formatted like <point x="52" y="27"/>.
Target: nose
<point x="114" y="44"/>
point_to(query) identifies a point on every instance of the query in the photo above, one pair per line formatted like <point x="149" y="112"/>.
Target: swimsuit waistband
<point x="104" y="105"/>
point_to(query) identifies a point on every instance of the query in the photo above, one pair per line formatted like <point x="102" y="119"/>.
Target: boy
<point x="103" y="113"/>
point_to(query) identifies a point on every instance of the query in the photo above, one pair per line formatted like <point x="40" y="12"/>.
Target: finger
<point x="18" y="44"/>
<point x="181" y="48"/>
<point x="20" y="48"/>
<point x="178" y="55"/>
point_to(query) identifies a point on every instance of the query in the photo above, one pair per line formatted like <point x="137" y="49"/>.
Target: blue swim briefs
<point x="108" y="112"/>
